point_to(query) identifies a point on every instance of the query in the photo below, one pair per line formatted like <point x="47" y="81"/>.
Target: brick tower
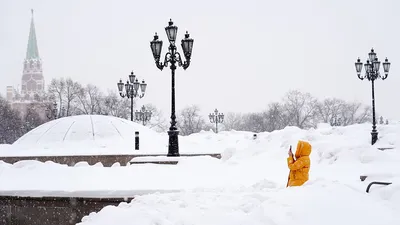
<point x="32" y="82"/>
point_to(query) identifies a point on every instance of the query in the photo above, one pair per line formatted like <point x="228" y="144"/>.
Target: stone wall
<point x="50" y="210"/>
<point x="106" y="160"/>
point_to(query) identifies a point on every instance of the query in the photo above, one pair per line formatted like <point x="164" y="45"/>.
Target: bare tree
<point x="364" y="115"/>
<point x="56" y="90"/>
<point x="90" y="99"/>
<point x="349" y="113"/>
<point x="32" y="118"/>
<point x="330" y="108"/>
<point x="233" y="121"/>
<point x="271" y="119"/>
<point x="275" y="117"/>
<point x="72" y="89"/>
<point x="301" y="108"/>
<point x="254" y="122"/>
<point x="356" y="112"/>
<point x="11" y="125"/>
<point x="190" y="120"/>
<point x="116" y="106"/>
<point x="158" y="122"/>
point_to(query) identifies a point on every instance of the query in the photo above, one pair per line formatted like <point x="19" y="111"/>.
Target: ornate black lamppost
<point x="216" y="118"/>
<point x="51" y="113"/>
<point x="172" y="57"/>
<point x="132" y="89"/>
<point x="336" y="121"/>
<point x="372" y="73"/>
<point x="143" y="115"/>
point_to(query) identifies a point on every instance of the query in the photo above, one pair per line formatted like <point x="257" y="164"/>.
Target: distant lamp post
<point x="62" y="112"/>
<point x="172" y="57"/>
<point x="336" y="121"/>
<point x="381" y="120"/>
<point x="51" y="112"/>
<point x="216" y="118"/>
<point x="132" y="89"/>
<point x="372" y="73"/>
<point x="143" y="115"/>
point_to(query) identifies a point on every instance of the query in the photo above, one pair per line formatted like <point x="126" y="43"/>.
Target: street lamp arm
<point x="383" y="77"/>
<point x="167" y="59"/>
<point x="159" y="65"/>
<point x="181" y="63"/>
<point x="186" y="64"/>
<point x="122" y="95"/>
<point x="178" y="58"/>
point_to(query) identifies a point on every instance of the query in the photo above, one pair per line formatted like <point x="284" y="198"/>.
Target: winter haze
<point x="246" y="53"/>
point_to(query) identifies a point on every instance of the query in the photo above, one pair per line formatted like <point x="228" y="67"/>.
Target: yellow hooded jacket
<point x="300" y="167"/>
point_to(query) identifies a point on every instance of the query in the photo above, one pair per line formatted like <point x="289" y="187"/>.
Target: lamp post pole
<point x="372" y="73"/>
<point x="132" y="89"/>
<point x="51" y="113"/>
<point x="216" y="118"/>
<point x="143" y="115"/>
<point x="173" y="58"/>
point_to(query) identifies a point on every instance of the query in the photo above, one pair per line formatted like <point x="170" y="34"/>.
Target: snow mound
<point x="311" y="205"/>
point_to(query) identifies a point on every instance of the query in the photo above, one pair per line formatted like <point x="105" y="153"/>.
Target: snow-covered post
<point x="136" y="140"/>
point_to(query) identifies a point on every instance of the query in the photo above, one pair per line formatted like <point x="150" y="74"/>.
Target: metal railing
<point x="376" y="182"/>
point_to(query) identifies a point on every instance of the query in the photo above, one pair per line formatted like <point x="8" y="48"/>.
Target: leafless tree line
<point x="295" y="109"/>
<point x="77" y="99"/>
<point x="74" y="98"/>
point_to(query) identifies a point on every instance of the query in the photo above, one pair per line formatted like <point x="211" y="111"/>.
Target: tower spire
<point x="32" y="51"/>
<point x="32" y="81"/>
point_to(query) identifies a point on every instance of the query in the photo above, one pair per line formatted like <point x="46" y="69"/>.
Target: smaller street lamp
<point x="216" y="118"/>
<point x="336" y="121"/>
<point x="51" y="113"/>
<point x="131" y="89"/>
<point x="143" y="115"/>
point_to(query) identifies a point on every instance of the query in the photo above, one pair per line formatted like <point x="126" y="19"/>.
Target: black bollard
<point x="136" y="140"/>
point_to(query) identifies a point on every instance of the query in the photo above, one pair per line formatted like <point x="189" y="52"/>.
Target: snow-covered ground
<point x="247" y="186"/>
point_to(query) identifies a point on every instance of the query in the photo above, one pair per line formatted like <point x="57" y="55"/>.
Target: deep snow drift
<point x="247" y="186"/>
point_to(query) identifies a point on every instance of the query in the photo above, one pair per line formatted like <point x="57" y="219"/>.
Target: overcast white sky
<point x="245" y="55"/>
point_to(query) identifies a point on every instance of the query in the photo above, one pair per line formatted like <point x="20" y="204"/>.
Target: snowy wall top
<point x="89" y="134"/>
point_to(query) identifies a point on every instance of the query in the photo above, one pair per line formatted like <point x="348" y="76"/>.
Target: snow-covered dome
<point x="89" y="134"/>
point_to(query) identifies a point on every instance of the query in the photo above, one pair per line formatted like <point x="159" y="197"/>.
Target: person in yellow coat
<point x="299" y="166"/>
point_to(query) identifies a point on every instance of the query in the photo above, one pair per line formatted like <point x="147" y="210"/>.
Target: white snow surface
<point x="246" y="186"/>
